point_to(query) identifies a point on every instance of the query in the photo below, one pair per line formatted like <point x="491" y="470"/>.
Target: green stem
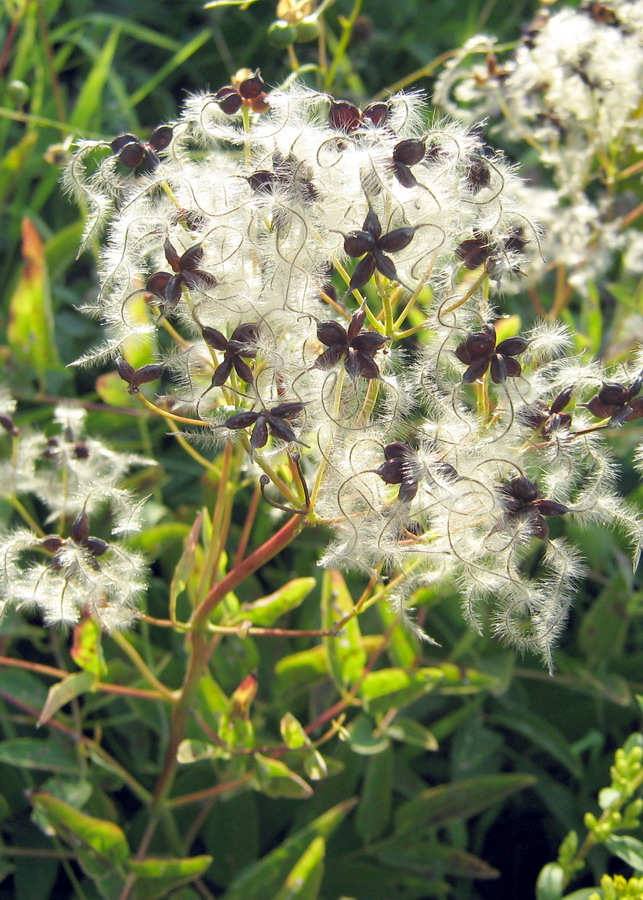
<point x="199" y="640"/>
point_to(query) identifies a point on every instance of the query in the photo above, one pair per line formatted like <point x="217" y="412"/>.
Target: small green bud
<point x="308" y="29"/>
<point x="282" y="34"/>
<point x="590" y="821"/>
<point x="18" y="92"/>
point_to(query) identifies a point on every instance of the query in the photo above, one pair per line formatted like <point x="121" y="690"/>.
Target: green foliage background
<point x="521" y="755"/>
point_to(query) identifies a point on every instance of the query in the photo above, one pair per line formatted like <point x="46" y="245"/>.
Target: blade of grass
<point x="177" y="60"/>
<point x="140" y="32"/>
<point x="88" y="105"/>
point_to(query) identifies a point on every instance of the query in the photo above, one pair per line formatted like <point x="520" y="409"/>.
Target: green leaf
<point x="266" y="877"/>
<point x="104" y="839"/>
<point x="402" y="647"/>
<point x="178" y="59"/>
<point x="275" y="779"/>
<point x="454" y="802"/>
<point x="604" y="627"/>
<point x="87" y="649"/>
<point x="408" y="731"/>
<point x="31" y="325"/>
<point x="293" y="733"/>
<point x="364" y="739"/>
<point x="186" y="567"/>
<point x="112" y="390"/>
<point x="191" y="751"/>
<point x="62" y="248"/>
<point x="37" y="753"/>
<point x="540" y="732"/>
<point x="627" y="848"/>
<point x="374" y="809"/>
<point x="14" y="162"/>
<point x="346" y="654"/>
<point x="550" y="882"/>
<point x="66" y="690"/>
<point x="242" y="4"/>
<point x="431" y="858"/>
<point x="156" y="877"/>
<point x="24" y="686"/>
<point x="393" y="688"/>
<point x="89" y="104"/>
<point x="304" y="880"/>
<point x="582" y="894"/>
<point x="266" y="611"/>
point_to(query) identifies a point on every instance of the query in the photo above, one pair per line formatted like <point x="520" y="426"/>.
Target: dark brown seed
<point x="377" y="113"/>
<point x="132" y="155"/>
<point x="357" y="243"/>
<point x="331" y="334"/>
<point x="561" y="400"/>
<point x="613" y="394"/>
<point x="397" y="239"/>
<point x="409" y="152"/>
<point x="512" y="346"/>
<point x="344" y="116"/>
<point x="80" y="528"/>
<point x="252" y="87"/>
<point x="161" y="137"/>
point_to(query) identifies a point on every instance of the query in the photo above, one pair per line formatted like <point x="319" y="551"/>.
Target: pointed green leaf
<point x="627" y="848"/>
<point x="186" y="567"/>
<point x="89" y="105"/>
<point x="364" y="738"/>
<point x="266" y="611"/>
<point x="402" y="648"/>
<point x="304" y="880"/>
<point x="432" y="858"/>
<point x="14" y="162"/>
<point x="346" y="653"/>
<point x="66" y="690"/>
<point x="293" y="733"/>
<point x="155" y="878"/>
<point x="315" y="766"/>
<point x="603" y="628"/>
<point x="541" y="733"/>
<point x="191" y="751"/>
<point x="410" y="732"/>
<point x="454" y="802"/>
<point x="393" y="688"/>
<point x="275" y="779"/>
<point x="374" y="809"/>
<point x="266" y="877"/>
<point x="37" y="753"/>
<point x="102" y="838"/>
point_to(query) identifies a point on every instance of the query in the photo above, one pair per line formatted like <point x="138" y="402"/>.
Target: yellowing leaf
<point x="31" y="326"/>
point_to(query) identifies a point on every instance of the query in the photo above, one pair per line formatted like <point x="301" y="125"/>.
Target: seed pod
<point x="524" y="489"/>
<point x="229" y="100"/>
<point x="377" y="113"/>
<point x="561" y="400"/>
<point x="397" y="239"/>
<point x="52" y="543"/>
<point x="613" y="394"/>
<point x="281" y="34"/>
<point x="357" y="243"/>
<point x="550" y="507"/>
<point x="512" y="346"/>
<point x="80" y="528"/>
<point x="96" y="546"/>
<point x="250" y="88"/>
<point x="409" y="152"/>
<point x="344" y="115"/>
<point x="161" y="137"/>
